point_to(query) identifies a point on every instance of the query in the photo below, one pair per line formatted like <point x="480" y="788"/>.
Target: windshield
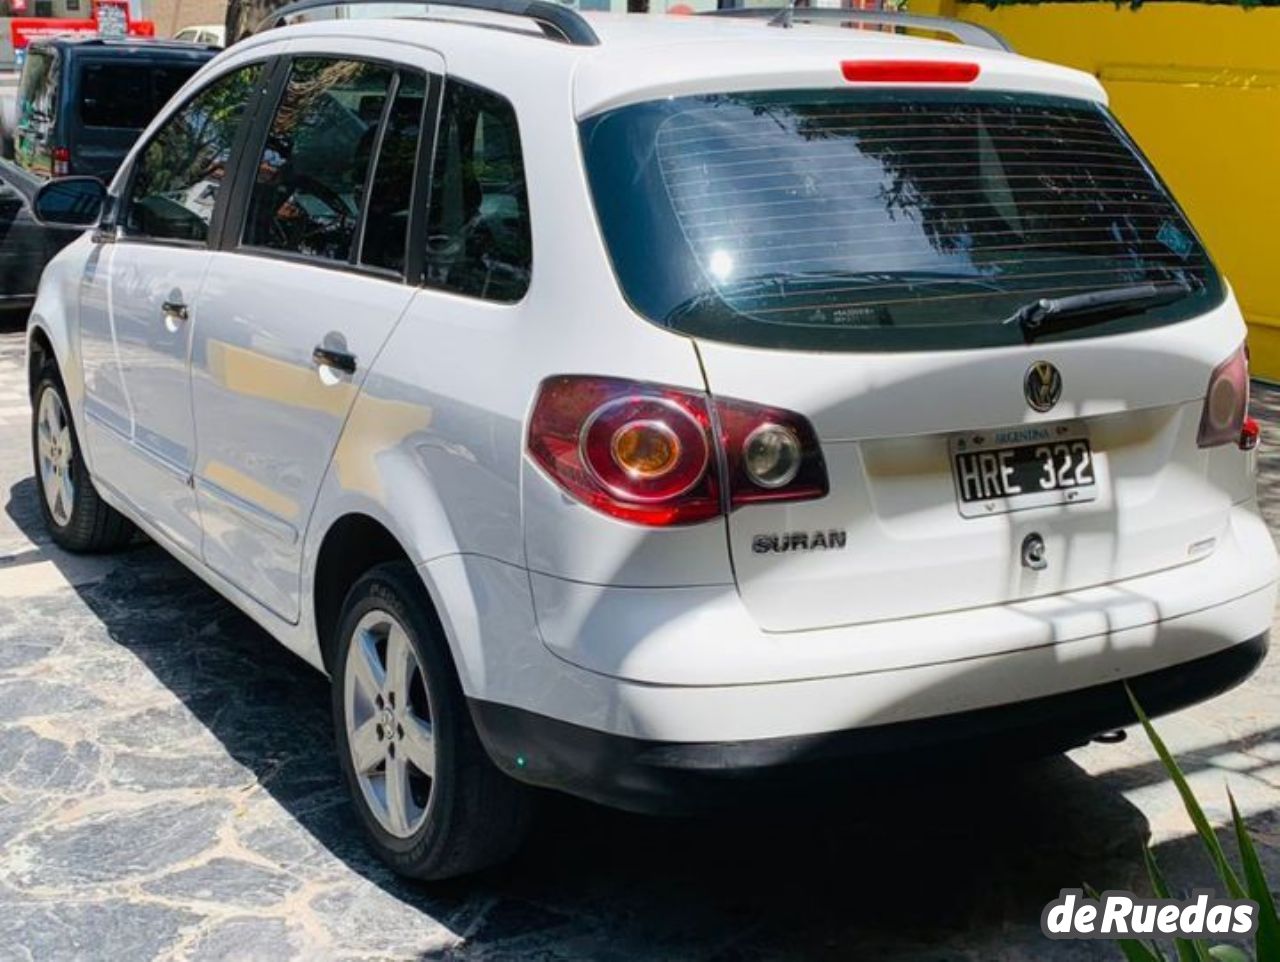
<point x="878" y="220"/>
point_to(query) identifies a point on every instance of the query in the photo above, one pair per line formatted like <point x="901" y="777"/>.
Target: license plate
<point x="1018" y="468"/>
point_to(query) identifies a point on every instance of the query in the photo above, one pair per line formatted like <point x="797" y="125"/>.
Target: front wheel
<point x="77" y="518"/>
<point x="432" y="803"/>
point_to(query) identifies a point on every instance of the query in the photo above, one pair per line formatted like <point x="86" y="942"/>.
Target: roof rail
<point x="968" y="33"/>
<point x="558" y="22"/>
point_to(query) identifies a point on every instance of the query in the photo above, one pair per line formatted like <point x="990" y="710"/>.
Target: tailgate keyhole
<point x="1033" y="553"/>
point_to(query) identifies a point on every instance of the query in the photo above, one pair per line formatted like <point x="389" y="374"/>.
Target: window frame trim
<point x="423" y="210"/>
<point x="120" y="208"/>
<point x="231" y="239"/>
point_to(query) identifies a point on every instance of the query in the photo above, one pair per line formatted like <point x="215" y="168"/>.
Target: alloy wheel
<point x="56" y="454"/>
<point x="388" y="723"/>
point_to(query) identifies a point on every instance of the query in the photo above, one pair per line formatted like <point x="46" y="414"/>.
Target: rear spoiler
<point x="972" y="34"/>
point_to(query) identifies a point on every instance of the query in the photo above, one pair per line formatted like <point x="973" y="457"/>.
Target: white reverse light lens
<point x="772" y="455"/>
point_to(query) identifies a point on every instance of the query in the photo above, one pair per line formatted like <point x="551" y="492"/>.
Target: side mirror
<point x="70" y="202"/>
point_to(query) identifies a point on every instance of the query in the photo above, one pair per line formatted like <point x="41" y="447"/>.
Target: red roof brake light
<point x="909" y="71"/>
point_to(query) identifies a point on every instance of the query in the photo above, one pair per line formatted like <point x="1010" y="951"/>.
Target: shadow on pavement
<point x="900" y="869"/>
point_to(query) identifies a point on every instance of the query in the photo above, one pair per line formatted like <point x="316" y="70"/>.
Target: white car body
<point x="222" y="440"/>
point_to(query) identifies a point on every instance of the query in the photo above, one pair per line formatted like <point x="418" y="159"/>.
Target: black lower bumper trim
<point x="671" y="777"/>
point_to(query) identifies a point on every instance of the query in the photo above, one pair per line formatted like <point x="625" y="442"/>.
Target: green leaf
<point x="1136" y="951"/>
<point x="1228" y="953"/>
<point x="1194" y="811"/>
<point x="1133" y="950"/>
<point x="1187" y="951"/>
<point x="1266" y="938"/>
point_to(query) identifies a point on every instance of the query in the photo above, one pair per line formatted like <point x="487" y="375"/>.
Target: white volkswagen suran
<point x="645" y="407"/>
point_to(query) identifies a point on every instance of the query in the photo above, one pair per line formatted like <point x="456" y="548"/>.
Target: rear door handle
<point x="338" y="360"/>
<point x="175" y="315"/>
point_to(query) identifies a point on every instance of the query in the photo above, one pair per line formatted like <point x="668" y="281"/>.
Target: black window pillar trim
<point x="356" y="254"/>
<point x="424" y="172"/>
<point x="232" y="205"/>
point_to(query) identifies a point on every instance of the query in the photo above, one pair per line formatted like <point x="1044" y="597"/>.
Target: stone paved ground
<point x="167" y="791"/>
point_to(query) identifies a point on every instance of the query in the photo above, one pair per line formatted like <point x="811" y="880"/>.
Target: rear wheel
<point x="432" y="803"/>
<point x="77" y="518"/>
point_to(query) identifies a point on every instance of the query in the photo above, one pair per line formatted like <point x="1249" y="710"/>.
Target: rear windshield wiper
<point x="1105" y="303"/>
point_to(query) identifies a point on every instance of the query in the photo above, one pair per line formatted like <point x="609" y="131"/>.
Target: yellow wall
<point x="1199" y="88"/>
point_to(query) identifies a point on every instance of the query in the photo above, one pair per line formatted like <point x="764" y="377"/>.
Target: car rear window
<point x="127" y="96"/>
<point x="881" y="220"/>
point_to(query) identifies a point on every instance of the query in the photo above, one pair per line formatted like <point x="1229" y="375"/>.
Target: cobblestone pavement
<point x="167" y="790"/>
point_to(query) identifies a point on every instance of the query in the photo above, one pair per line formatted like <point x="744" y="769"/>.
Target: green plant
<point x="1254" y="886"/>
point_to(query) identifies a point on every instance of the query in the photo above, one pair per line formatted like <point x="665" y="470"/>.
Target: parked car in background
<point x="25" y="247"/>
<point x="212" y="34"/>
<point x="81" y="103"/>
<point x="78" y="107"/>
<point x="817" y="402"/>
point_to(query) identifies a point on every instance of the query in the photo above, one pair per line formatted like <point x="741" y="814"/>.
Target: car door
<point x="139" y="302"/>
<point x="298" y="303"/>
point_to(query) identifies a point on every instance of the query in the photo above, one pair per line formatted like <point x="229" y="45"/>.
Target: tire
<point x="467" y="815"/>
<point x="76" y="516"/>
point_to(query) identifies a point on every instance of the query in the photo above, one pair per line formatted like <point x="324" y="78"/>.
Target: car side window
<point x="391" y="193"/>
<point x="478" y="236"/>
<point x="176" y="179"/>
<point x="312" y="172"/>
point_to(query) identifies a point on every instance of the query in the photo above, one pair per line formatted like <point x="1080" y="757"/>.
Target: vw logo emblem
<point x="1042" y="386"/>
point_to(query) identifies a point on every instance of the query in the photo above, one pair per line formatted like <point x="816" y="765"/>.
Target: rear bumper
<point x="664" y="777"/>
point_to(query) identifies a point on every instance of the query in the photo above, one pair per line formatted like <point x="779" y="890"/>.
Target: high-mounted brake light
<point x="909" y="71"/>
<point x="1226" y="404"/>
<point x="664" y="456"/>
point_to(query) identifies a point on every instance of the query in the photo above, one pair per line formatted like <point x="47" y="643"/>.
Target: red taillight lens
<point x="664" y="456"/>
<point x="646" y="449"/>
<point x="635" y="452"/>
<point x="909" y="71"/>
<point x="1250" y="435"/>
<point x="61" y="161"/>
<point x="1226" y="402"/>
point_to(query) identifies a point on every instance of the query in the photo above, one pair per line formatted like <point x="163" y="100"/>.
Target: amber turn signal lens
<point x="645" y="449"/>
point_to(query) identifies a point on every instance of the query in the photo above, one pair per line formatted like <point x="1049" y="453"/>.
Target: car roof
<point x="145" y="45"/>
<point x="645" y="56"/>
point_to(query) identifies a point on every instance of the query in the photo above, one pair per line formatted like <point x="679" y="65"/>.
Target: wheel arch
<point x="40" y="351"/>
<point x="352" y="544"/>
<point x="52" y="329"/>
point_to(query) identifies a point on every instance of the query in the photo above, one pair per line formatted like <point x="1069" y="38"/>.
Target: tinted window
<point x="177" y="178"/>
<point x="128" y="95"/>
<point x="391" y="195"/>
<point x="312" y="172"/>
<point x="478" y="240"/>
<point x="856" y="220"/>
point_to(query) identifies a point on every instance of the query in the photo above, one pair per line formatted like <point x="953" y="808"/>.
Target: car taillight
<point x="909" y="71"/>
<point x="663" y="456"/>
<point x="770" y="454"/>
<point x="61" y="161"/>
<point x="1226" y="403"/>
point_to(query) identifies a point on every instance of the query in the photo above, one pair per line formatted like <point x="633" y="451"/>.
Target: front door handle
<point x="338" y="360"/>
<point x="175" y="315"/>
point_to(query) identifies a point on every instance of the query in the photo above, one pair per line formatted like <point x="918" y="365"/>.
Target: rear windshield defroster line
<point x="878" y="220"/>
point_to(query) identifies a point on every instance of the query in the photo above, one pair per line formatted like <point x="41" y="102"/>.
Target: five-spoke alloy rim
<point x="388" y="723"/>
<point x="57" y="466"/>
